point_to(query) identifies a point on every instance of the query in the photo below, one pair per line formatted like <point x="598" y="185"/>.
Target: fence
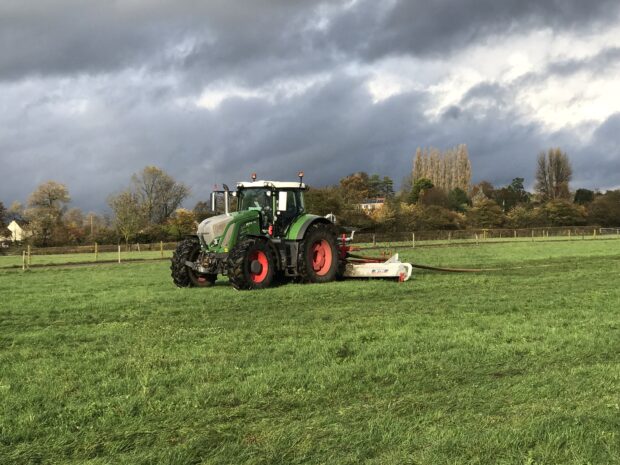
<point x="25" y="256"/>
<point x="91" y="248"/>
<point x="477" y="235"/>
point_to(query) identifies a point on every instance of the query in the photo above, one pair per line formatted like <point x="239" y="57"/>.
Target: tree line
<point x="147" y="210"/>
<point x="437" y="194"/>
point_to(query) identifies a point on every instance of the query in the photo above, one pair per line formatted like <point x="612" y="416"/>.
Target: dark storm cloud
<point x="257" y="40"/>
<point x="435" y="27"/>
<point x="91" y="92"/>
<point x="597" y="164"/>
<point x="71" y="36"/>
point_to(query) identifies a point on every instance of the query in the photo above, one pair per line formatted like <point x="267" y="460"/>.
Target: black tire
<point x="250" y="265"/>
<point x="184" y="276"/>
<point x="313" y="269"/>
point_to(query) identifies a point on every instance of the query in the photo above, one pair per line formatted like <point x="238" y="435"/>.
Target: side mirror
<point x="282" y="196"/>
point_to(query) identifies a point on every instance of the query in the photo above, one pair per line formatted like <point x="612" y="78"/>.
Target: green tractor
<point x="270" y="237"/>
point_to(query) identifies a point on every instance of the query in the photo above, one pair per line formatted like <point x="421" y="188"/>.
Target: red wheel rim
<point x="321" y="257"/>
<point x="261" y="258"/>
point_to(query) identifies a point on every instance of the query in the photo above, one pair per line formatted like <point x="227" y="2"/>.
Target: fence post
<point x="138" y="247"/>
<point x="23" y="260"/>
<point x="594" y="233"/>
<point x="450" y="236"/>
<point x="514" y="233"/>
<point x="119" y="253"/>
<point x="476" y="238"/>
<point x="96" y="252"/>
<point x="569" y="234"/>
<point x="413" y="240"/>
<point x="532" y="235"/>
<point x="374" y="240"/>
<point x="161" y="248"/>
<point x="29" y="256"/>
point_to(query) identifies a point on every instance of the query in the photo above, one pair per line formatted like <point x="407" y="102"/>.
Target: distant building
<point x="17" y="232"/>
<point x="369" y="205"/>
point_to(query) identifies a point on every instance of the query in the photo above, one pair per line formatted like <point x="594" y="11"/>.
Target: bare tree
<point x="448" y="170"/>
<point x="158" y="193"/>
<point x="553" y="175"/>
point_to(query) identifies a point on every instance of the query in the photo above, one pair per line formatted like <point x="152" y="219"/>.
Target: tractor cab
<point x="278" y="203"/>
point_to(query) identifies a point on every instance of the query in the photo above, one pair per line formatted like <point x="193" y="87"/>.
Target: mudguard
<point x="298" y="229"/>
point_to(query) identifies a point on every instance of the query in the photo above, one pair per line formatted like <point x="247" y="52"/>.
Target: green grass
<point x="111" y="364"/>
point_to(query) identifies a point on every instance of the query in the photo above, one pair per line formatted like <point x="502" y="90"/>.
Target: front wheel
<point x="184" y="275"/>
<point x="250" y="265"/>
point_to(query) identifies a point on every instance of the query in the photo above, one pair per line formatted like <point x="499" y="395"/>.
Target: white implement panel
<point x="392" y="268"/>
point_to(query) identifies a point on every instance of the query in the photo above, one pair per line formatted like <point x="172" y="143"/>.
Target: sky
<point x="211" y="91"/>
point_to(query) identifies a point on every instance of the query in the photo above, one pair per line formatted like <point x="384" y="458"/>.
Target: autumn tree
<point x="46" y="206"/>
<point x="553" y="175"/>
<point x="181" y="223"/>
<point x="75" y="226"/>
<point x="158" y="194"/>
<point x="434" y="196"/>
<point x="562" y="212"/>
<point x="129" y="215"/>
<point x="322" y="201"/>
<point x="355" y="187"/>
<point x="485" y="214"/>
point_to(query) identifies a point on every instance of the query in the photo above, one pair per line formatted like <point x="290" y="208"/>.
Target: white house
<point x="369" y="205"/>
<point x="17" y="232"/>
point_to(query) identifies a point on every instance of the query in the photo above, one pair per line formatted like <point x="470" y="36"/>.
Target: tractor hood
<point x="213" y="227"/>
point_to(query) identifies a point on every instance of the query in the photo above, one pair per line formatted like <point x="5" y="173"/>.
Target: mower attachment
<point x="360" y="267"/>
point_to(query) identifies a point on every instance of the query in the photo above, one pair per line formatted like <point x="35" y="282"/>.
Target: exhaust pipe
<point x="226" y="200"/>
<point x="213" y="202"/>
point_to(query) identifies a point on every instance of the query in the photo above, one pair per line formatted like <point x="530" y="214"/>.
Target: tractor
<point x="269" y="238"/>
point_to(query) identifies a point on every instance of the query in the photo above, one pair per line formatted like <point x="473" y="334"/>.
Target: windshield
<point x="254" y="199"/>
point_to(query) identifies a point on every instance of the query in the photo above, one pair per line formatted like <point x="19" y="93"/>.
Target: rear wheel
<point x="184" y="275"/>
<point x="318" y="258"/>
<point x="251" y="265"/>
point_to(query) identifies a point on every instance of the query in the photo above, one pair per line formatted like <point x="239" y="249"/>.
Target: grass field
<point x="110" y="364"/>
